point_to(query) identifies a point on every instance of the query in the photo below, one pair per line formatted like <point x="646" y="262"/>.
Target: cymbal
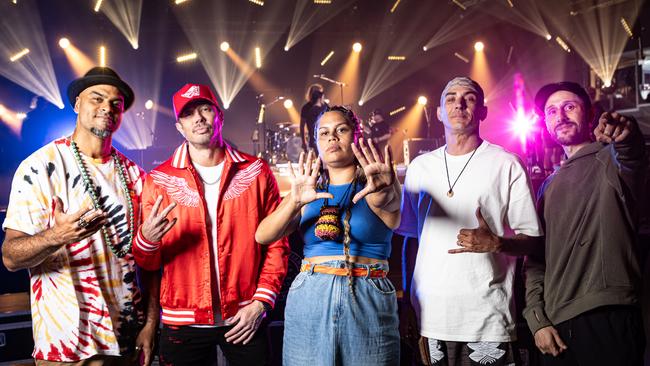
<point x="289" y="125"/>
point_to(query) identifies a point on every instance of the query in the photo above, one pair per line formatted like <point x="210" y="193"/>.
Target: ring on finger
<point x="82" y="223"/>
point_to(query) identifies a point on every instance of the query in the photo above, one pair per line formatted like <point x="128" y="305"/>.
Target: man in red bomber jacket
<point x="217" y="282"/>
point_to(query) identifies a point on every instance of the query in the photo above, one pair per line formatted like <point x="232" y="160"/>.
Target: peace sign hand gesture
<point x="303" y="184"/>
<point x="379" y="172"/>
<point x="157" y="225"/>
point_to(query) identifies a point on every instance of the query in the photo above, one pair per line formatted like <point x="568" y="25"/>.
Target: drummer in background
<point x="309" y="113"/>
<point x="380" y="131"/>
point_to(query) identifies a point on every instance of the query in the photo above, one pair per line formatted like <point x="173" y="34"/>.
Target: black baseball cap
<point x="547" y="90"/>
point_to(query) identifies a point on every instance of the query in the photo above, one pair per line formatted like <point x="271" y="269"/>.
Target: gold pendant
<point x="450" y="193"/>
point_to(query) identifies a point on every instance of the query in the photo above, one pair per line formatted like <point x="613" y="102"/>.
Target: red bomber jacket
<point x="248" y="271"/>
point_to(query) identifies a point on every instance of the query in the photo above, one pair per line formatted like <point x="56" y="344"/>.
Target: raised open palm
<point x="303" y="183"/>
<point x="377" y="169"/>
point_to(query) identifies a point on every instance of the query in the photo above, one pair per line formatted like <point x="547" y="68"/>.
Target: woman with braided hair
<point x="341" y="308"/>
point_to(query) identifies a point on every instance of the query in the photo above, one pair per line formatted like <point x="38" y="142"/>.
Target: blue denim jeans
<point x="326" y="324"/>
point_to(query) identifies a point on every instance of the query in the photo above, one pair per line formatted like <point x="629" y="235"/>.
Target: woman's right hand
<point x="303" y="183"/>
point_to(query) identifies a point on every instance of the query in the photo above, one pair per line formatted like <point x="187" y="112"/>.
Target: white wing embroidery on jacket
<point x="242" y="180"/>
<point x="177" y="188"/>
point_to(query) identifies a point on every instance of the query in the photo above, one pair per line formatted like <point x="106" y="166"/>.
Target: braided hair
<point x="359" y="179"/>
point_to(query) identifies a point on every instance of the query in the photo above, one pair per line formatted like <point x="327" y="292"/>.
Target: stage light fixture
<point x="510" y="3"/>
<point x="549" y="37"/>
<point x="395" y="111"/>
<point x="257" y="2"/>
<point x="148" y="104"/>
<point x="21" y="115"/>
<point x="102" y="56"/>
<point x="179" y="1"/>
<point x="288" y="103"/>
<point x="98" y="5"/>
<point x="562" y="44"/>
<point x="19" y="55"/>
<point x="258" y="57"/>
<point x="460" y="5"/>
<point x="422" y="100"/>
<point x="356" y="47"/>
<point x="322" y="2"/>
<point x="286" y="48"/>
<point x="479" y="46"/>
<point x="465" y="59"/>
<point x="627" y="28"/>
<point x="424" y="48"/>
<point x="607" y="83"/>
<point x="396" y="58"/>
<point x="360" y="102"/>
<point x="327" y="58"/>
<point x="225" y="46"/>
<point x="64" y="43"/>
<point x="187" y="57"/>
<point x="392" y="10"/>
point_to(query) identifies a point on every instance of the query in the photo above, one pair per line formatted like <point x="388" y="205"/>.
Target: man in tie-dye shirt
<point x="73" y="209"/>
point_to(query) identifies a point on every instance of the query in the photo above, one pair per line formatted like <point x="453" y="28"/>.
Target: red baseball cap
<point x="191" y="92"/>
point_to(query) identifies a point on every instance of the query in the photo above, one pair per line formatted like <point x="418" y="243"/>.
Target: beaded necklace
<point x="328" y="226"/>
<point x="90" y="187"/>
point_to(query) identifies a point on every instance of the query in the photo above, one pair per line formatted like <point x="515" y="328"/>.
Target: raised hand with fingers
<point x="70" y="228"/>
<point x="612" y="127"/>
<point x="379" y="172"/>
<point x="303" y="183"/>
<point x="155" y="226"/>
<point x="479" y="240"/>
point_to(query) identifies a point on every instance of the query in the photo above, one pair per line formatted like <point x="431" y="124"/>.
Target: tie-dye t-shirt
<point x="84" y="299"/>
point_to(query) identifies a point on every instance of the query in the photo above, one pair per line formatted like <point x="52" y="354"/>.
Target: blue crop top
<point x="370" y="237"/>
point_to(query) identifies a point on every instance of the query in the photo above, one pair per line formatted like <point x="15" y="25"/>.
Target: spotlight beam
<point x="125" y="16"/>
<point x="595" y="32"/>
<point x="21" y="29"/>
<point x="306" y="19"/>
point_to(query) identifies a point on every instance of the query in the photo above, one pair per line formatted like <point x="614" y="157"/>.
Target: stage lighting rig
<point x="186" y="57"/>
<point x="19" y="55"/>
<point x="327" y="58"/>
<point x="64" y="43"/>
<point x="258" y="58"/>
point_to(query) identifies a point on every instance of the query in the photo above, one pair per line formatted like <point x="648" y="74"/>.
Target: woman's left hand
<point x="379" y="172"/>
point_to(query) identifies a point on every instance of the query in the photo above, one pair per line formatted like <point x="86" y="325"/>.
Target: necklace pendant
<point x="450" y="193"/>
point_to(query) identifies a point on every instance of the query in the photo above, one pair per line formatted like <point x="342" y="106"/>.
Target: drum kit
<point x="282" y="143"/>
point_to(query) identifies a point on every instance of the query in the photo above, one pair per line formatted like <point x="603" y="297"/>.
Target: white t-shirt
<point x="465" y="297"/>
<point x="211" y="178"/>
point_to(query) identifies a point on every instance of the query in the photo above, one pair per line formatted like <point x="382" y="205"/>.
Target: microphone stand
<point x="262" y="121"/>
<point x="426" y="117"/>
<point x="336" y="82"/>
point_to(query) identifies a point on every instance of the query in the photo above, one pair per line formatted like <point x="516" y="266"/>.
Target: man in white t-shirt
<point x="469" y="206"/>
